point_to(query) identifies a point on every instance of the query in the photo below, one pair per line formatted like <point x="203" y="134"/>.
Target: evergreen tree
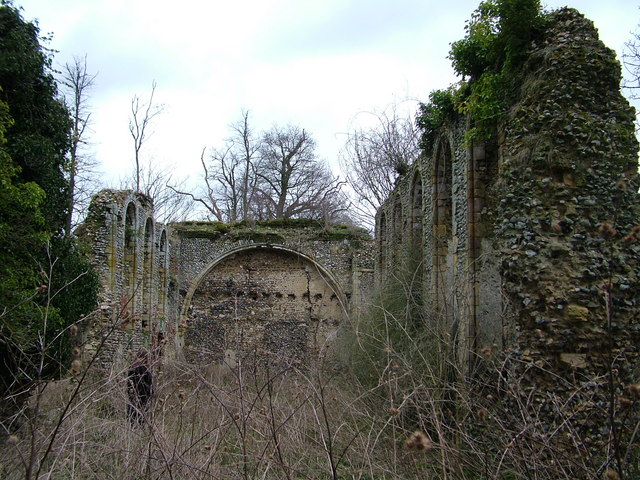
<point x="38" y="264"/>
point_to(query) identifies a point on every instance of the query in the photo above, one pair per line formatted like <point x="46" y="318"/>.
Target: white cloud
<point x="307" y="62"/>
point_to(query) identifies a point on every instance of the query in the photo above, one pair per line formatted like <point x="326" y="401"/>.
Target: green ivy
<point x="435" y="114"/>
<point x="489" y="58"/>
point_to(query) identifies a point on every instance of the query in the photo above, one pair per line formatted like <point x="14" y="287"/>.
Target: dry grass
<point x="244" y="423"/>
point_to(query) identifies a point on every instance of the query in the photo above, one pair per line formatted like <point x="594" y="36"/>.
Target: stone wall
<point x="436" y="227"/>
<point x="277" y="288"/>
<point x="210" y="292"/>
<point x="130" y="253"/>
<point x="529" y="241"/>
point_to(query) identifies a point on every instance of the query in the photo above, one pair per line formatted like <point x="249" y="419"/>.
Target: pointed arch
<point x="148" y="297"/>
<point x="163" y="267"/>
<point x="398" y="233"/>
<point x="442" y="201"/>
<point x="130" y="256"/>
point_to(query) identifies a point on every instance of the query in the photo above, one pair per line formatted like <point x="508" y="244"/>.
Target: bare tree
<point x="233" y="167"/>
<point x="142" y="114"/>
<point x="77" y="83"/>
<point x="247" y="150"/>
<point x="168" y="204"/>
<point x="293" y="182"/>
<point x="264" y="176"/>
<point x="631" y="61"/>
<point x="209" y="197"/>
<point x="374" y="156"/>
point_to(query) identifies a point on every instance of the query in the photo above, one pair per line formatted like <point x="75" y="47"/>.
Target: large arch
<point x="261" y="301"/>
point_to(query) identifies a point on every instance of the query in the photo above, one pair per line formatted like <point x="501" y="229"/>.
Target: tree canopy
<point x="39" y="265"/>
<point x="488" y="59"/>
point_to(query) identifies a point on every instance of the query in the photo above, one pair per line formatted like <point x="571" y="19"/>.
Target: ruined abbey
<point x="209" y="292"/>
<point x="523" y="249"/>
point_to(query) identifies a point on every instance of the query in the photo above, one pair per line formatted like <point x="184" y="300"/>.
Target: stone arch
<point x="163" y="267"/>
<point x="261" y="301"/>
<point x="397" y="232"/>
<point x="442" y="201"/>
<point x="382" y="243"/>
<point x="416" y="223"/>
<point x="148" y="297"/>
<point x="130" y="256"/>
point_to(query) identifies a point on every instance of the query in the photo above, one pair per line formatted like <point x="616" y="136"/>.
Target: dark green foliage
<point x="497" y="36"/>
<point x="434" y="115"/>
<point x="39" y="138"/>
<point x="45" y="285"/>
<point x="490" y="55"/>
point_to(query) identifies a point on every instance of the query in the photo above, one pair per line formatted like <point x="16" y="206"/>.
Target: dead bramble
<point x="611" y="475"/>
<point x="418" y="440"/>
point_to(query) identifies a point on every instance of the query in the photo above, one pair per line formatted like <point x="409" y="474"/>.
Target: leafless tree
<point x="169" y="206"/>
<point x="374" y="155"/>
<point x="229" y="177"/>
<point x="293" y="182"/>
<point x="76" y="83"/>
<point x="631" y="61"/>
<point x="209" y="197"/>
<point x="245" y="152"/>
<point x="142" y="114"/>
<point x="233" y="167"/>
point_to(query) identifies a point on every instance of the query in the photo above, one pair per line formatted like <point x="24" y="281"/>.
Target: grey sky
<point x="312" y="63"/>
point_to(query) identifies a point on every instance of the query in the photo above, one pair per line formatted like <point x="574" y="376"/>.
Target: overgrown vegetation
<point x="269" y="231"/>
<point x="488" y="58"/>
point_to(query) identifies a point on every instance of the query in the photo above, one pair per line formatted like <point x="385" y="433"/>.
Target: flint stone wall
<point x="530" y="245"/>
<point x="210" y="292"/>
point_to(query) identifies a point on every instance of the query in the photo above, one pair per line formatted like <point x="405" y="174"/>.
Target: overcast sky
<point x="316" y="64"/>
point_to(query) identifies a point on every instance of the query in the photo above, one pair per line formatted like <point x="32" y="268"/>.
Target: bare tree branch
<point x="77" y="83"/>
<point x="141" y="117"/>
<point x="373" y="156"/>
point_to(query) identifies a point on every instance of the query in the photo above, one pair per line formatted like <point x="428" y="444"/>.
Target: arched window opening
<point x="417" y="217"/>
<point x="416" y="246"/>
<point x="130" y="261"/>
<point x="162" y="280"/>
<point x="397" y="234"/>
<point x="443" y="219"/>
<point x="147" y="276"/>
<point x="382" y="244"/>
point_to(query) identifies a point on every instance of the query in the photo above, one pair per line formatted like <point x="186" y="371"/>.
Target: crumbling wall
<point x="567" y="206"/>
<point x="280" y="288"/>
<point x="130" y="254"/>
<point x="192" y="286"/>
<point x="531" y="243"/>
<point x="437" y="226"/>
<point x="262" y="301"/>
